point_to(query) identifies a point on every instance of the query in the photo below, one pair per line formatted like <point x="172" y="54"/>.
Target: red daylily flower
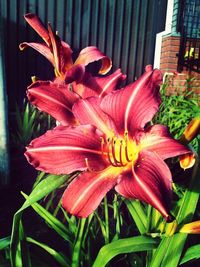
<point x="58" y="99"/>
<point x="72" y="81"/>
<point x="59" y="53"/>
<point x="113" y="148"/>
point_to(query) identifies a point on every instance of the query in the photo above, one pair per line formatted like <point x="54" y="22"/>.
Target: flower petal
<point x="187" y="161"/>
<point x="98" y="86"/>
<point x="85" y="192"/>
<point x="75" y="73"/>
<point x="136" y="104"/>
<point x="91" y="54"/>
<point x="61" y="51"/>
<point x="191" y="131"/>
<point x="35" y="22"/>
<point x="157" y="139"/>
<point x="150" y="181"/>
<point x="191" y="228"/>
<point x="41" y="48"/>
<point x="87" y="111"/>
<point x="67" y="149"/>
<point x="53" y="99"/>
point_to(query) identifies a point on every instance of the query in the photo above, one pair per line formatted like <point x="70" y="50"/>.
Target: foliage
<point x="121" y="232"/>
<point x="30" y="123"/>
<point x="177" y="110"/>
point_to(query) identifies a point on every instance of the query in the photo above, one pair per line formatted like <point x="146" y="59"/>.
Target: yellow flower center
<point x="119" y="151"/>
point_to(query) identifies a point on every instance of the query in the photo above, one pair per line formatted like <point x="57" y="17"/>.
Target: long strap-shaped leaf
<point x="192" y="253"/>
<point x="45" y="187"/>
<point x="121" y="246"/>
<point x="170" y="249"/>
<point x="61" y="259"/>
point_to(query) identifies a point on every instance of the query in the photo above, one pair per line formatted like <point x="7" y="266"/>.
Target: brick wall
<point x="178" y="82"/>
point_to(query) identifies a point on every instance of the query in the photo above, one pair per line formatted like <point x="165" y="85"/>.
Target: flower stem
<point x="78" y="243"/>
<point x="106" y="220"/>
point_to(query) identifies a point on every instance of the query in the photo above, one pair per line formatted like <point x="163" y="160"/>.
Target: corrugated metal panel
<point x="125" y="30"/>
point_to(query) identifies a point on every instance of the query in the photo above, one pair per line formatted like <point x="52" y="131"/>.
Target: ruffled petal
<point x="88" y="111"/>
<point x="91" y="54"/>
<point x="67" y="149"/>
<point x="150" y="181"/>
<point x="35" y="22"/>
<point x="53" y="99"/>
<point x="98" y="86"/>
<point x="85" y="192"/>
<point x="135" y="105"/>
<point x="158" y="139"/>
<point x="41" y="48"/>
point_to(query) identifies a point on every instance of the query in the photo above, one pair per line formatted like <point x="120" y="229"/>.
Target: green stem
<point x="78" y="243"/>
<point x="106" y="220"/>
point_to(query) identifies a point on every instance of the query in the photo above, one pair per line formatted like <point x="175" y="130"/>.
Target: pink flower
<point x="72" y="81"/>
<point x="113" y="147"/>
<point x="59" y="53"/>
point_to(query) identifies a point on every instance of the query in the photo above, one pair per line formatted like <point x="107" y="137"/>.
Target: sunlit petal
<point x="191" y="131"/>
<point x="135" y="105"/>
<point x="149" y="181"/>
<point x="86" y="191"/>
<point x="158" y="139"/>
<point x="187" y="161"/>
<point x="53" y="99"/>
<point x="35" y="22"/>
<point x="191" y="228"/>
<point x="91" y="54"/>
<point x="87" y="111"/>
<point x="98" y="86"/>
<point x="67" y="149"/>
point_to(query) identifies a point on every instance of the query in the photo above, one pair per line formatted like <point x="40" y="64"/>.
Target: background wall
<point x="125" y="30"/>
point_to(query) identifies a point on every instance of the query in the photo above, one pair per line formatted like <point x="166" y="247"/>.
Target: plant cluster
<point x="105" y="138"/>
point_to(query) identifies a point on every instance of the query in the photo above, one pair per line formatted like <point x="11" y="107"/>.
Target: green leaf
<point x="122" y="246"/>
<point x="78" y="243"/>
<point x="52" y="221"/>
<point x="60" y="258"/>
<point x="192" y="253"/>
<point x="138" y="214"/>
<point x="4" y="242"/>
<point x="170" y="249"/>
<point x="46" y="186"/>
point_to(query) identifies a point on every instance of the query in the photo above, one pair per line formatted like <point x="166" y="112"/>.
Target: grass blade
<point x="52" y="221"/>
<point x="61" y="259"/>
<point x="138" y="214"/>
<point x="192" y="253"/>
<point x="46" y="186"/>
<point x="121" y="246"/>
<point x="4" y="242"/>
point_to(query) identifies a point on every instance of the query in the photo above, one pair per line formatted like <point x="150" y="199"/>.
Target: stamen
<point x="114" y="152"/>
<point x="126" y="147"/>
<point x="120" y="153"/>
<point x="102" y="148"/>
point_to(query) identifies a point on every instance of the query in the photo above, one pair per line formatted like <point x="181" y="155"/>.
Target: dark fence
<point x="188" y="25"/>
<point x="125" y="30"/>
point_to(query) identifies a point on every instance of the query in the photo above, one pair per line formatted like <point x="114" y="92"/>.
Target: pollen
<point x="119" y="151"/>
